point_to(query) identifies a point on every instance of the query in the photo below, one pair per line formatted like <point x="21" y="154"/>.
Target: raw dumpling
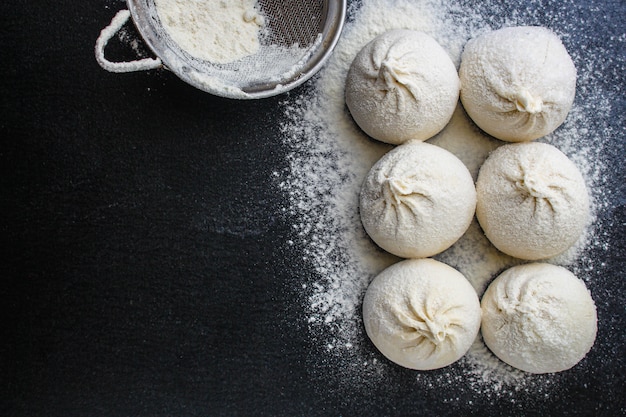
<point x="417" y="200"/>
<point x="421" y="314"/>
<point x="532" y="200"/>
<point x="517" y="83"/>
<point x="402" y="85"/>
<point x="539" y="318"/>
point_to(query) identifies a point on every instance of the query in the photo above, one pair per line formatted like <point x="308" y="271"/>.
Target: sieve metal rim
<point x="183" y="67"/>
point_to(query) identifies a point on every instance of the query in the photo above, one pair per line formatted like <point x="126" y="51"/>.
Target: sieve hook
<point x="105" y="36"/>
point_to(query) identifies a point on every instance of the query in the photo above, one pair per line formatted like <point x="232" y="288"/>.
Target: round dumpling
<point x="532" y="200"/>
<point x="421" y="314"/>
<point x="539" y="318"/>
<point x="517" y="83"/>
<point x="402" y="85"/>
<point x="417" y="200"/>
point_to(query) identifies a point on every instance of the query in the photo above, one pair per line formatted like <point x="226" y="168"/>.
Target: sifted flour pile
<point x="330" y="156"/>
<point x="215" y="31"/>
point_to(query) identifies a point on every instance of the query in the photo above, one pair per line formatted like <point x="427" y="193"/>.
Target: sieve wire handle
<point x="105" y="36"/>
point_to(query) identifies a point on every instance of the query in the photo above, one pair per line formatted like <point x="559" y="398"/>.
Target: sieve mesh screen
<point x="294" y="21"/>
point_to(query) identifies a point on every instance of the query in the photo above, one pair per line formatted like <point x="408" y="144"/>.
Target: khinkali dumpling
<point x="417" y="200"/>
<point x="539" y="318"/>
<point x="532" y="200"/>
<point x="402" y="85"/>
<point x="421" y="314"/>
<point x="517" y="83"/>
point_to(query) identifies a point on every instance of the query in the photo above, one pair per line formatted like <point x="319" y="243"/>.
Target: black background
<point x="144" y="265"/>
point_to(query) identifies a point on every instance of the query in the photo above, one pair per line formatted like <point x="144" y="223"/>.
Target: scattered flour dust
<point x="330" y="157"/>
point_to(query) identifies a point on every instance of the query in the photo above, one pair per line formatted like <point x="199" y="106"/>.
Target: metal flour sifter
<point x="313" y="26"/>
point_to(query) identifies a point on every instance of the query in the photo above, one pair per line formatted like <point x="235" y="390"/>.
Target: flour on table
<point x="329" y="158"/>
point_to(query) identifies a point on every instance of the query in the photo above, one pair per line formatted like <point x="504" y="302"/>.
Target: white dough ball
<point x="402" y="85"/>
<point x="421" y="314"/>
<point x="532" y="200"/>
<point x="539" y="318"/>
<point x="417" y="200"/>
<point x="517" y="83"/>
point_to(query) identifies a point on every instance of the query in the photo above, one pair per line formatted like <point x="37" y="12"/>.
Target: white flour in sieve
<point x="216" y="31"/>
<point x="240" y="45"/>
<point x="330" y="157"/>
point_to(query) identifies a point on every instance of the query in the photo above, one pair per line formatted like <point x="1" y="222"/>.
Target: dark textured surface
<point x="144" y="266"/>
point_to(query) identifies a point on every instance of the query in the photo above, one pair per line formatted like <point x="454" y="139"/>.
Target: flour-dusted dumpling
<point x="402" y="85"/>
<point x="517" y="83"/>
<point x="417" y="200"/>
<point x="539" y="318"/>
<point x="532" y="200"/>
<point x="421" y="314"/>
